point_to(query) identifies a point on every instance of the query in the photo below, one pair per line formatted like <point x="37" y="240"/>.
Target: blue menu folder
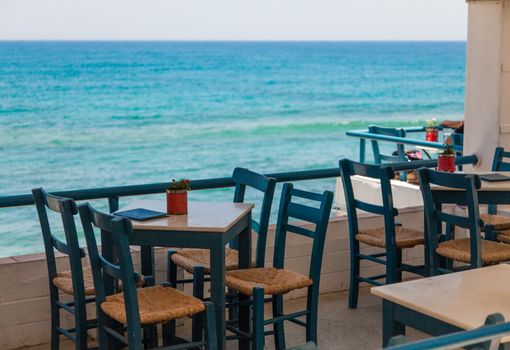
<point x="494" y="177"/>
<point x="141" y="214"/>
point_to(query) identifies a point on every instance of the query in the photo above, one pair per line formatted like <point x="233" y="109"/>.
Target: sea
<point x="76" y="115"/>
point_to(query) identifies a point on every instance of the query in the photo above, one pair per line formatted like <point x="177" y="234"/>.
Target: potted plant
<point x="432" y="130"/>
<point x="177" y="197"/>
<point x="446" y="159"/>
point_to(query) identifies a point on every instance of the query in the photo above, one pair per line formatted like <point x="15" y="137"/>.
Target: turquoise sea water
<point x="94" y="114"/>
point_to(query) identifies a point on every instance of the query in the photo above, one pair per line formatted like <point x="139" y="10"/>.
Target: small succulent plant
<point x="448" y="149"/>
<point x="432" y="123"/>
<point x="181" y="185"/>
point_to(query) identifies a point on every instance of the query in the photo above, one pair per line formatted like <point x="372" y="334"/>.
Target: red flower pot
<point x="432" y="134"/>
<point x="177" y="202"/>
<point x="446" y="162"/>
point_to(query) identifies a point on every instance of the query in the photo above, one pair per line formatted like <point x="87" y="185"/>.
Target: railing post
<point x="362" y="150"/>
<point x="113" y="204"/>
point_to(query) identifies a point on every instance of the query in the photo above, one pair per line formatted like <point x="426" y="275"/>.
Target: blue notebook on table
<point x="140" y="214"/>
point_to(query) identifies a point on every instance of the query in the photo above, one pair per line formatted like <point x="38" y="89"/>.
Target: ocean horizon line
<point x="17" y="40"/>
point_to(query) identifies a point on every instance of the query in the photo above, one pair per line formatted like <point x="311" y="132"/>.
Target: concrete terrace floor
<point x="339" y="327"/>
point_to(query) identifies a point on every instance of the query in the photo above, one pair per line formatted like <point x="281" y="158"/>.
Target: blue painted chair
<point x="487" y="337"/>
<point x="500" y="222"/>
<point x="134" y="308"/>
<point x="399" y="237"/>
<point x="76" y="282"/>
<point x="276" y="281"/>
<point x="397" y="156"/>
<point x="380" y="158"/>
<point x="473" y="250"/>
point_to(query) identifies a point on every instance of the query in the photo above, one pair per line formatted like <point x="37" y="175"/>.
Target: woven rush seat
<point x="273" y="280"/>
<point x="187" y="258"/>
<point x="156" y="304"/>
<point x="459" y="250"/>
<point x="504" y="236"/>
<point x="406" y="238"/>
<point x="64" y="281"/>
<point x="499" y="221"/>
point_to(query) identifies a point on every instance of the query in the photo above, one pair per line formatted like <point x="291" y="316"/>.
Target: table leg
<point x="218" y="287"/>
<point x="244" y="262"/>
<point x="147" y="261"/>
<point x="391" y="327"/>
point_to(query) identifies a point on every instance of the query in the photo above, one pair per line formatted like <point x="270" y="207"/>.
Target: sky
<point x="233" y="19"/>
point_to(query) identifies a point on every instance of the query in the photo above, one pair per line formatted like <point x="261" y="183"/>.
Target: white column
<point x="486" y="111"/>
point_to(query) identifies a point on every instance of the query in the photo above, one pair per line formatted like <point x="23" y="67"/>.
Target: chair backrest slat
<point x="244" y="177"/>
<point x="453" y="219"/>
<point x="303" y="212"/>
<point x="369" y="207"/>
<point x="299" y="230"/>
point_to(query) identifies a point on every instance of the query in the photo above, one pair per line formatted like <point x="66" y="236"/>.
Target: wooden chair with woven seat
<point x="398" y="236"/>
<point x="133" y="308"/>
<point x="473" y="250"/>
<point x="500" y="222"/>
<point x="276" y="280"/>
<point x="76" y="282"/>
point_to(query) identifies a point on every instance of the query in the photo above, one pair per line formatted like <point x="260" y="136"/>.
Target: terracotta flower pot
<point x="446" y="162"/>
<point x="432" y="134"/>
<point x="177" y="202"/>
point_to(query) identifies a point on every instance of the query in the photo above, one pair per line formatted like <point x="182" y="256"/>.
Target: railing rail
<point x="114" y="193"/>
<point x="364" y="135"/>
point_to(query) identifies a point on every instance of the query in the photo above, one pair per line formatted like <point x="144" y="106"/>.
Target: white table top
<point x="463" y="299"/>
<point x="202" y="216"/>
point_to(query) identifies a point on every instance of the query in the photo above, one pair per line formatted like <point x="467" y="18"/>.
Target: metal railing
<point x="114" y="193"/>
<point x="364" y="135"/>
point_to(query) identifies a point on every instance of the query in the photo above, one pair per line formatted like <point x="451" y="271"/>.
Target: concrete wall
<point x="24" y="303"/>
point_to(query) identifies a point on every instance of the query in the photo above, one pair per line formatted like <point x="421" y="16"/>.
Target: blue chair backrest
<point x="317" y="216"/>
<point x="483" y="338"/>
<point x="435" y="215"/>
<point x="380" y="158"/>
<point x="105" y="271"/>
<point x="498" y="162"/>
<point x="243" y="178"/>
<point x="384" y="174"/>
<point x="66" y="207"/>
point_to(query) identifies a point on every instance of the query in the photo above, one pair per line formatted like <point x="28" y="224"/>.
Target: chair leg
<point x="258" y="318"/>
<point x="354" y="274"/>
<point x="210" y="329"/>
<point x="391" y="265"/>
<point x="278" y="327"/>
<point x="233" y="310"/>
<point x="168" y="329"/>
<point x="311" y="319"/>
<point x="55" y="322"/>
<point x="198" y="292"/>
<point x="171" y="271"/>
<point x="399" y="265"/>
<point x="80" y="319"/>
